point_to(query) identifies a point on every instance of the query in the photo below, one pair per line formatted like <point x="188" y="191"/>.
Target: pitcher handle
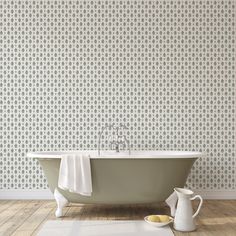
<point x="199" y="206"/>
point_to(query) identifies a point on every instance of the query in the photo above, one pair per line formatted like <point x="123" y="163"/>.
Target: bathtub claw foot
<point x="61" y="202"/>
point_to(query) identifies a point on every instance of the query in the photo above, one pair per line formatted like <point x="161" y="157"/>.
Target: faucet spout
<point x="100" y="136"/>
<point x="117" y="148"/>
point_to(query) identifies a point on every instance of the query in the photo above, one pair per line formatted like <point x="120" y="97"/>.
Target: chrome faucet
<point x="116" y="142"/>
<point x="100" y="136"/>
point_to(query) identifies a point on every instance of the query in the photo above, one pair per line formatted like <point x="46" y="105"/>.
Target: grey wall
<point x="164" y="68"/>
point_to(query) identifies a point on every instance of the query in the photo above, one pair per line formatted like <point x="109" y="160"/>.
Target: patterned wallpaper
<point x="164" y="68"/>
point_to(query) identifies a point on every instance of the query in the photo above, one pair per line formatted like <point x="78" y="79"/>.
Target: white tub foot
<point x="61" y="202"/>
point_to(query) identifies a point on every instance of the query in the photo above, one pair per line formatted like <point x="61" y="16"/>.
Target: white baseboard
<point x="216" y="194"/>
<point x="44" y="194"/>
<point x="20" y="194"/>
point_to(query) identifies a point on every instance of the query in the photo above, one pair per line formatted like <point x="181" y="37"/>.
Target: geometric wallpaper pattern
<point x="166" y="69"/>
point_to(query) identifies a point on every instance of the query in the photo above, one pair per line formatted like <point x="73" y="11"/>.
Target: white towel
<point x="75" y="174"/>
<point x="171" y="202"/>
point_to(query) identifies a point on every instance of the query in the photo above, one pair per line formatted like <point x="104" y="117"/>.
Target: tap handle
<point x="123" y="126"/>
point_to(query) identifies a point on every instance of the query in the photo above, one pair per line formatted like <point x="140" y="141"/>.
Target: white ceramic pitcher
<point x="184" y="217"/>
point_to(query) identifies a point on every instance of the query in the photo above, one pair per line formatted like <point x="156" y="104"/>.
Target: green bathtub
<point x="142" y="177"/>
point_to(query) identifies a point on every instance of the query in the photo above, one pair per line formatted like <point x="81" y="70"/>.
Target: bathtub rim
<point x="142" y="154"/>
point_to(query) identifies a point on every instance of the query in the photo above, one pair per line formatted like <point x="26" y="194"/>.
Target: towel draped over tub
<point x="75" y="174"/>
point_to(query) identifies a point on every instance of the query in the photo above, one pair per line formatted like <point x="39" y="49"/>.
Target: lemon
<point x="154" y="218"/>
<point x="164" y="218"/>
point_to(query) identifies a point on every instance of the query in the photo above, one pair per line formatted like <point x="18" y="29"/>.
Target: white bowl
<point x="158" y="224"/>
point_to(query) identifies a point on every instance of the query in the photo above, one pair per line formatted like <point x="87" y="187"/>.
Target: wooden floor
<point x="23" y="218"/>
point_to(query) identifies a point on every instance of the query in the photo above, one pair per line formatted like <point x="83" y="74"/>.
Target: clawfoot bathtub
<point x="142" y="177"/>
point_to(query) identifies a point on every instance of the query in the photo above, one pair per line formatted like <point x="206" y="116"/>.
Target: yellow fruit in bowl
<point x="154" y="218"/>
<point x="164" y="218"/>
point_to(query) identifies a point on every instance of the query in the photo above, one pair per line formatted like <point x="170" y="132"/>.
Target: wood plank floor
<point x="24" y="218"/>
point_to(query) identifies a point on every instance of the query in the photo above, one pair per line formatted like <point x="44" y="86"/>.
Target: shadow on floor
<point x="118" y="212"/>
